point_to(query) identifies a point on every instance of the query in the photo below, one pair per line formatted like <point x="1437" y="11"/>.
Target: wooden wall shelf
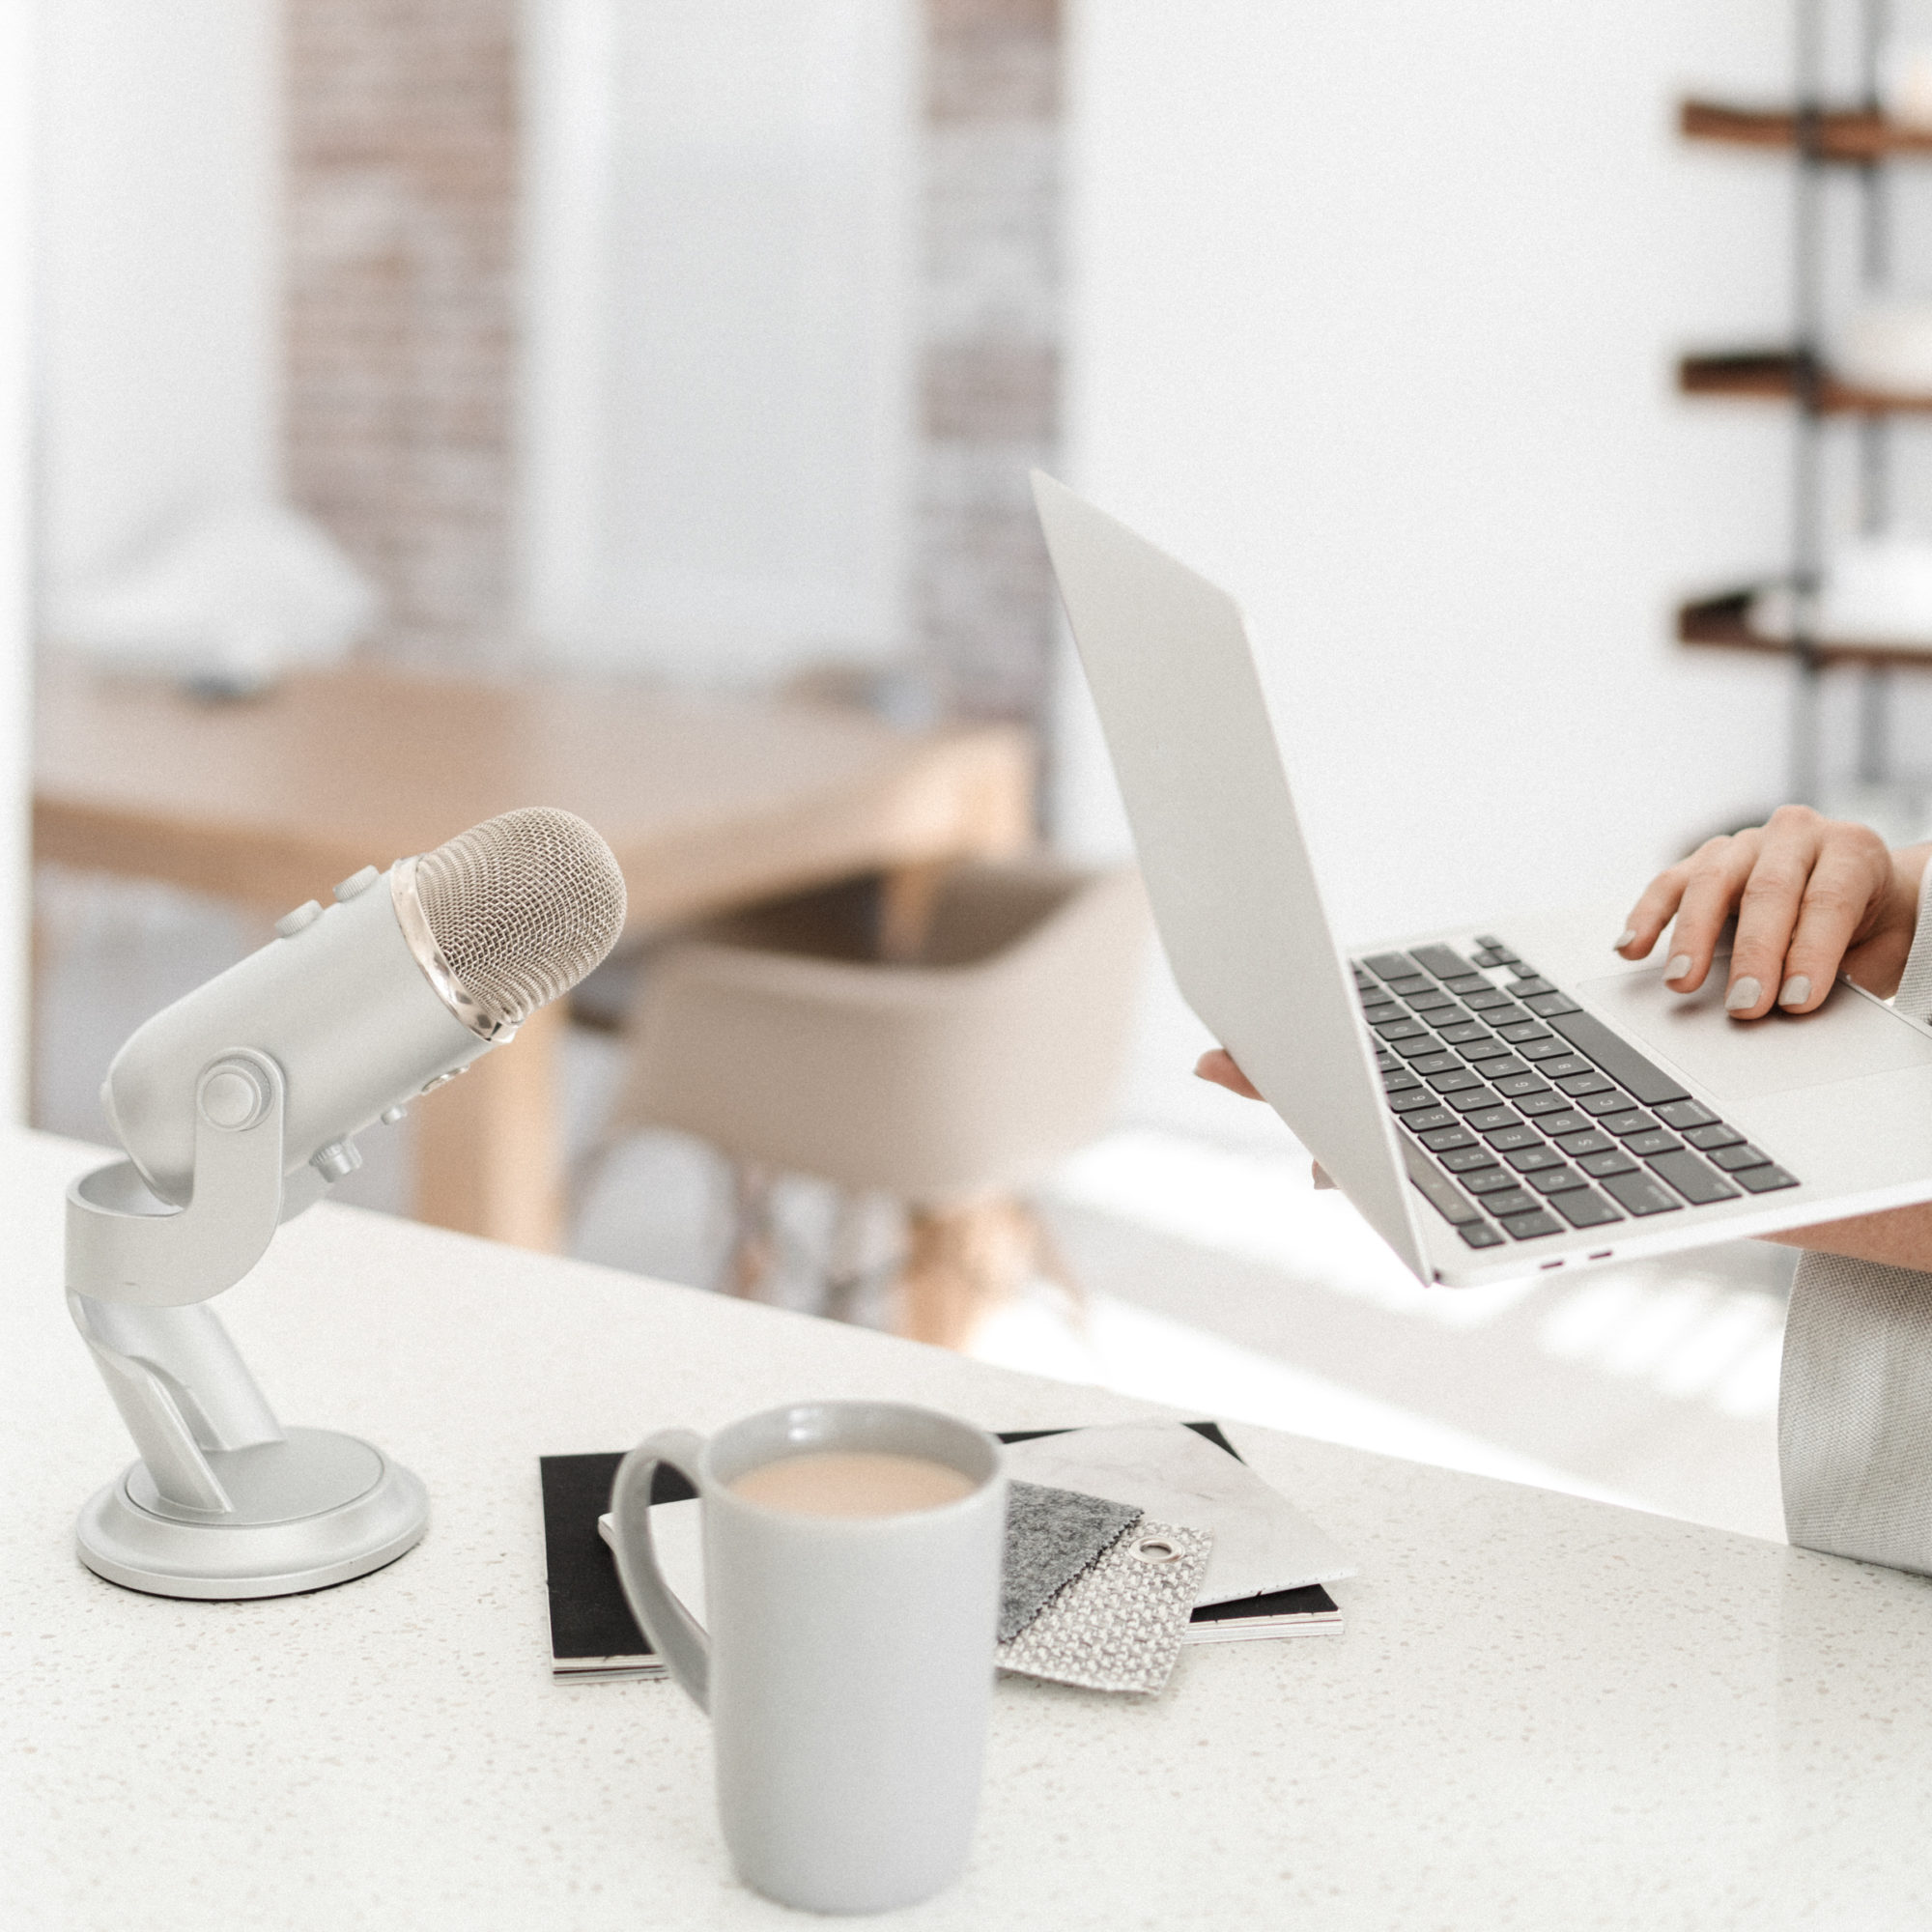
<point x="1724" y="623"/>
<point x="1778" y="375"/>
<point x="1852" y="135"/>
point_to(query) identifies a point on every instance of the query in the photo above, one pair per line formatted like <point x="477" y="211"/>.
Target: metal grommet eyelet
<point x="1155" y="1550"/>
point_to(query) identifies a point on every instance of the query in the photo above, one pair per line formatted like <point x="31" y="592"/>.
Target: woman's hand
<point x="1218" y="1065"/>
<point x="1812" y="896"/>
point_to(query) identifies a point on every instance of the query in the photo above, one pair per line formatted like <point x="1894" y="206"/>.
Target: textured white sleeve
<point x="1855" y="1403"/>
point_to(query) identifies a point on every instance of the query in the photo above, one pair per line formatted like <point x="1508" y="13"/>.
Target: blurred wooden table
<point x="708" y="804"/>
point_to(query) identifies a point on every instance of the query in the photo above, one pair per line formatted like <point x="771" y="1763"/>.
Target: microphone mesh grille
<point x="522" y="907"/>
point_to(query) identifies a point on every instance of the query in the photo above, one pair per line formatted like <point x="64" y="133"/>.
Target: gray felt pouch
<point x="1094" y="1594"/>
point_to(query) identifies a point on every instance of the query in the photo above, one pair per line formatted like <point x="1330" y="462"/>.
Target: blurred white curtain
<point x="720" y="208"/>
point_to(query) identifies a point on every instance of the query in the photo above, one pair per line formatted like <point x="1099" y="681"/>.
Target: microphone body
<point x="344" y="1009"/>
<point x="412" y="974"/>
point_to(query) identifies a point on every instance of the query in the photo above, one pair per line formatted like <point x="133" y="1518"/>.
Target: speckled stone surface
<point x="1545" y="1713"/>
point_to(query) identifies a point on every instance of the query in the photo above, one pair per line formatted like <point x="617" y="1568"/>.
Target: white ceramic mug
<point x="848" y="1667"/>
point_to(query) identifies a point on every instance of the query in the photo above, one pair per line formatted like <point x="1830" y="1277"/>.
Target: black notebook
<point x="593" y="1634"/>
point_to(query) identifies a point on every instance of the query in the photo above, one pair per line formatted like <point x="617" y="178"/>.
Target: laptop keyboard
<point x="1523" y="1115"/>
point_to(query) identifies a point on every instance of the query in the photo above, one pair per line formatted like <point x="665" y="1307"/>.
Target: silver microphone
<point x="407" y="978"/>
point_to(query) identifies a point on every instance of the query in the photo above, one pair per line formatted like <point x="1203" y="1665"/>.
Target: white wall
<point x="16" y="121"/>
<point x="159" y="325"/>
<point x="717" y="374"/>
<point x="1374" y="316"/>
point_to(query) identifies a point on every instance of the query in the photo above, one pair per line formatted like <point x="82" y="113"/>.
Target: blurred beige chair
<point x="952" y="1079"/>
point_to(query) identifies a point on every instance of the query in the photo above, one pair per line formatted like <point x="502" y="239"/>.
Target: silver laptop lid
<point x="1234" y="896"/>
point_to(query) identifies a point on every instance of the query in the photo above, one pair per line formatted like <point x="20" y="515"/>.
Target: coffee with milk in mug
<point x="852" y="1482"/>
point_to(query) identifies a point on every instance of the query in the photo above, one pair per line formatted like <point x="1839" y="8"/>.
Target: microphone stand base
<point x="313" y="1510"/>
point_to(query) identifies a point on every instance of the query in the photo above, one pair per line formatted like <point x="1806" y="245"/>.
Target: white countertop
<point x="1545" y="1713"/>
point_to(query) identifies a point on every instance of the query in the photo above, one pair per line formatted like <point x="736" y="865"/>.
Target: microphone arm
<point x="224" y="1502"/>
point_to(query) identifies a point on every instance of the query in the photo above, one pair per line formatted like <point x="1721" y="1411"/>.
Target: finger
<point x="1837" y="899"/>
<point x="1717" y="875"/>
<point x="1767" y="910"/>
<point x="1651" y="914"/>
<point x="1218" y="1065"/>
<point x="1318" y="1173"/>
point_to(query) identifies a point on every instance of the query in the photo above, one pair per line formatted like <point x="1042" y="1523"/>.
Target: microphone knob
<point x="300" y="919"/>
<point x="233" y="1095"/>
<point x="337" y="1161"/>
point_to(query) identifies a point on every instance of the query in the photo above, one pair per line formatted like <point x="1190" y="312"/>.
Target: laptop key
<point x="1520" y="1085"/>
<point x="1732" y="1159"/>
<point x="1554" y="1181"/>
<point x="1615" y="1101"/>
<point x="1526" y="1160"/>
<point x="1586" y="1139"/>
<point x="1538" y="1105"/>
<point x="1439" y="1140"/>
<point x="1518" y="1032"/>
<point x="1460" y="1161"/>
<point x="1691" y="1179"/>
<point x="1466" y="1032"/>
<point x="1556" y="1066"/>
<point x="1408" y="1099"/>
<point x="1441" y="960"/>
<point x="1585" y="1207"/>
<point x="1544" y="1050"/>
<point x="1765" y="1179"/>
<point x="1683" y="1114"/>
<point x="1480" y="1235"/>
<point x="1528" y="988"/>
<point x="1439" y="1061"/>
<point x="1653" y="1141"/>
<point x="1411" y="984"/>
<point x="1623" y="1125"/>
<point x="1390" y="965"/>
<point x="1428" y="1002"/>
<point x="1415" y="1045"/>
<point x="1518" y="1200"/>
<point x="1527" y="1227"/>
<point x="1489" y="1002"/>
<point x="1717" y="1135"/>
<point x="1503" y="1139"/>
<point x="1551" y="1005"/>
<point x="1508" y="1069"/>
<point x="1638" y="1194"/>
<point x="1427" y="1120"/>
<point x="1474" y="1099"/>
<point x="1614" y="1161"/>
<point x="1488" y="1180"/>
<point x="1466" y="983"/>
<point x="1621" y="1060"/>
<point x="1398" y="1025"/>
<point x="1453" y="1079"/>
<point x="1576" y="1084"/>
<point x="1487" y="1048"/>
<point x="1488" y="1119"/>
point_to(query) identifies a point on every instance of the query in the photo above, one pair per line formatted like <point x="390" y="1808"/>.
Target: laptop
<point x="1497" y="1098"/>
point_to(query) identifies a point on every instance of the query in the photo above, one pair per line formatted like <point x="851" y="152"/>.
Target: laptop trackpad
<point x="1847" y="1037"/>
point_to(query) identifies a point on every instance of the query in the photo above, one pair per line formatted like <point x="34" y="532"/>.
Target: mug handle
<point x="675" y="1634"/>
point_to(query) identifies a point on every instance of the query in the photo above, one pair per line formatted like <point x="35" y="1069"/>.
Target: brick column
<point x="401" y="304"/>
<point x="983" y="595"/>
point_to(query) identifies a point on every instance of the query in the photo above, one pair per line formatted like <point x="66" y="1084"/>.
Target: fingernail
<point x="1795" y="991"/>
<point x="1625" y="938"/>
<point x="1678" y="967"/>
<point x="1744" y="994"/>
